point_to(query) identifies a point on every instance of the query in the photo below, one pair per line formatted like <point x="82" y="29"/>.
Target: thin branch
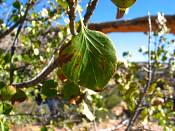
<point x="133" y="25"/>
<point x="149" y="81"/>
<point x="52" y="64"/>
<point x="71" y="13"/>
<point x="90" y="9"/>
<point x="16" y="40"/>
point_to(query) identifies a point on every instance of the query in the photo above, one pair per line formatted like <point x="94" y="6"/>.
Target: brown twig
<point x="71" y="13"/>
<point x="149" y="81"/>
<point x="90" y="9"/>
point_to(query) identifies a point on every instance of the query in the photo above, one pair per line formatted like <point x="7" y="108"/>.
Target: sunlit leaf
<point x="87" y="112"/>
<point x="6" y="93"/>
<point x="62" y="3"/>
<point x="4" y="126"/>
<point x="36" y="51"/>
<point x="88" y="59"/>
<point x="152" y="88"/>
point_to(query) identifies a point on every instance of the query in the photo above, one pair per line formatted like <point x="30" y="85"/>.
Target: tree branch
<point x="90" y="9"/>
<point x="133" y="25"/>
<point x="71" y="13"/>
<point x="40" y="77"/>
<point x="52" y="64"/>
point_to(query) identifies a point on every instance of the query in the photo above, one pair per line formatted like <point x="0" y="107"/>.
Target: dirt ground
<point x="107" y="125"/>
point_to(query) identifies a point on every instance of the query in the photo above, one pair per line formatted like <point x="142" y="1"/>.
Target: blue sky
<point x="105" y="11"/>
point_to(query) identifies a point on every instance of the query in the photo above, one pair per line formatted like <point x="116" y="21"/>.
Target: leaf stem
<point x="81" y="19"/>
<point x="90" y="9"/>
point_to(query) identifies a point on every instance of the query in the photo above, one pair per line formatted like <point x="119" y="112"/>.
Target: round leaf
<point x="70" y="90"/>
<point x="88" y="59"/>
<point x="49" y="88"/>
<point x="6" y="93"/>
<point x="17" y="4"/>
<point x="19" y="96"/>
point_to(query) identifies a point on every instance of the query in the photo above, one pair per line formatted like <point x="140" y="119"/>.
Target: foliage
<point x="85" y="65"/>
<point x="87" y="55"/>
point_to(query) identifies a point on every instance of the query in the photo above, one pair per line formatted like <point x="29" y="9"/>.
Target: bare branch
<point x="149" y="81"/>
<point x="133" y="25"/>
<point x="40" y="77"/>
<point x="90" y="9"/>
<point x="71" y="13"/>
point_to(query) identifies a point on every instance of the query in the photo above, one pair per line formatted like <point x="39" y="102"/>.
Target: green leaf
<point x="49" y="88"/>
<point x="7" y="58"/>
<point x="44" y="128"/>
<point x="62" y="3"/>
<point x="88" y="59"/>
<point x="17" y="4"/>
<point x="152" y="88"/>
<point x="50" y="84"/>
<point x="19" y="96"/>
<point x="2" y="84"/>
<point x="5" y="108"/>
<point x="6" y="93"/>
<point x="70" y="90"/>
<point x="124" y="3"/>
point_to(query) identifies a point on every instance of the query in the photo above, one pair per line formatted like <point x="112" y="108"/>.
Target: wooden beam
<point x="133" y="25"/>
